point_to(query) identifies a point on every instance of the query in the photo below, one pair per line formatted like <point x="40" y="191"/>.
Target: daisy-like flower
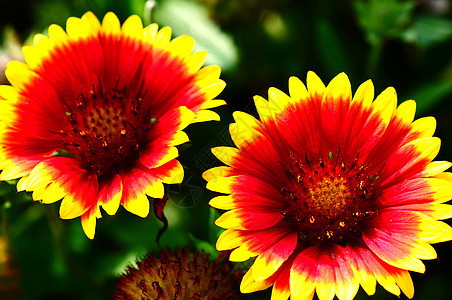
<point x="95" y="113"/>
<point x="179" y="274"/>
<point x="330" y="192"/>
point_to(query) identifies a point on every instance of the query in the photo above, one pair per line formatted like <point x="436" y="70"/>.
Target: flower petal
<point x="243" y="131"/>
<point x="385" y="104"/>
<point x="89" y="221"/>
<point x="297" y="89"/>
<point x="82" y="189"/>
<point x="411" y="158"/>
<point x="252" y="220"/>
<point x="396" y="242"/>
<point x="160" y="150"/>
<point x="135" y="184"/>
<point x="281" y="287"/>
<point x="110" y="195"/>
<point x="225" y="154"/>
<point x="250" y="285"/>
<point x="316" y="88"/>
<point x="268" y="262"/>
<point x="303" y="274"/>
<point x="365" y="94"/>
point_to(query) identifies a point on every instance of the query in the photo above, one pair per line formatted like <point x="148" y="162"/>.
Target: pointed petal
<point x="162" y="137"/>
<point x="82" y="189"/>
<point x="316" y="88"/>
<point x="110" y="195"/>
<point x="303" y="274"/>
<point x="196" y="60"/>
<point x="222" y="202"/>
<point x="216" y="172"/>
<point x="221" y="184"/>
<point x="225" y="154"/>
<point x="395" y="248"/>
<point x="268" y="262"/>
<point x="243" y="131"/>
<point x="163" y="37"/>
<point x="205" y="116"/>
<point x="110" y="23"/>
<point x="135" y="184"/>
<point x="133" y="27"/>
<point x="365" y="94"/>
<point x="411" y="158"/>
<point x="257" y="219"/>
<point x="88" y="220"/>
<point x="250" y="285"/>
<point x="425" y="127"/>
<point x="385" y="104"/>
<point x="297" y="89"/>
<point x="229" y="239"/>
<point x="281" y="287"/>
<point x="406" y="111"/>
<point x="339" y="89"/>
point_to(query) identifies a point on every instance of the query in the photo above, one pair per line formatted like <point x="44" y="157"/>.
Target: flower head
<point x="179" y="274"/>
<point x="330" y="192"/>
<point x="94" y="115"/>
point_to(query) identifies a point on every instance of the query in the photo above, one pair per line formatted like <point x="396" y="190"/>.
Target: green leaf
<point x="430" y="94"/>
<point x="214" y="230"/>
<point x="205" y="246"/>
<point x="332" y="49"/>
<point x="383" y="19"/>
<point x="187" y="17"/>
<point x="428" y="31"/>
<point x="61" y="153"/>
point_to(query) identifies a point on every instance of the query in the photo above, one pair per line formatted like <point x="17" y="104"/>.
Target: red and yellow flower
<point x="330" y="192"/>
<point x="95" y="114"/>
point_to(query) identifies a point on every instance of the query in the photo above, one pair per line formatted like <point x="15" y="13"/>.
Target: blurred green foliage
<point x="406" y="44"/>
<point x="383" y="19"/>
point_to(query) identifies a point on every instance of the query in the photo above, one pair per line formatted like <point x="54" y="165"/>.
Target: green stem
<point x="57" y="233"/>
<point x="147" y="12"/>
<point x="58" y="240"/>
<point x="374" y="57"/>
<point x="76" y="271"/>
<point x="4" y="221"/>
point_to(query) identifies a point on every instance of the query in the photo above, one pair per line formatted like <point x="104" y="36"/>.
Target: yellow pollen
<point x="330" y="195"/>
<point x="105" y="121"/>
<point x="329" y="200"/>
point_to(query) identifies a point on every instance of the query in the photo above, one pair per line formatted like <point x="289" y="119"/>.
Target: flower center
<point x="105" y="121"/>
<point x="106" y="128"/>
<point x="329" y="200"/>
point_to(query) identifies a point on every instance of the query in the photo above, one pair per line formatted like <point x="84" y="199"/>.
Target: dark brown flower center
<point x="179" y="275"/>
<point x="329" y="199"/>
<point x="106" y="128"/>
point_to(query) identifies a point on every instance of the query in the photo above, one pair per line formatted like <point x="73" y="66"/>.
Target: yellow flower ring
<point x="330" y="192"/>
<point x="94" y="115"/>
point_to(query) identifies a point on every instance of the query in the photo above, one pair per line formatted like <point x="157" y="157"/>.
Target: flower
<point x="330" y="192"/>
<point x="179" y="274"/>
<point x="94" y="115"/>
